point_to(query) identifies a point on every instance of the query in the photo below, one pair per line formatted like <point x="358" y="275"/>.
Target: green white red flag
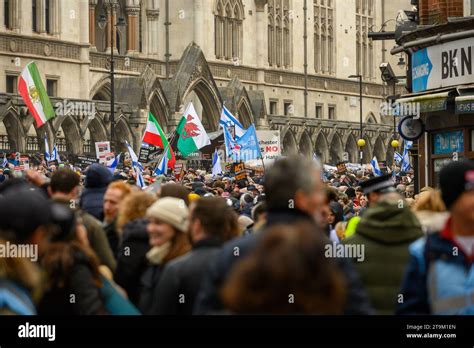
<point x="155" y="136"/>
<point x="31" y="88"/>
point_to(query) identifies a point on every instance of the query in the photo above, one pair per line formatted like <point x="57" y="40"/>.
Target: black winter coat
<point x="92" y="201"/>
<point x="181" y="279"/>
<point x="207" y="300"/>
<point x="131" y="258"/>
<point x="79" y="282"/>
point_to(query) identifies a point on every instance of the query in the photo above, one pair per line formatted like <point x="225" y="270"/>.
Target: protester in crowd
<point x="438" y="280"/>
<point x="212" y="222"/>
<point x="307" y="282"/>
<point x="259" y="216"/>
<point x="289" y="201"/>
<point x="175" y="190"/>
<point x="385" y="231"/>
<point x="92" y="198"/>
<point x="167" y="227"/>
<point x="64" y="188"/>
<point x="28" y="223"/>
<point x="341" y="230"/>
<point x="116" y="192"/>
<point x="430" y="210"/>
<point x="134" y="244"/>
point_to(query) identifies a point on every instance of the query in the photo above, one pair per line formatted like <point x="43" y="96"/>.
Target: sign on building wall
<point x="444" y="65"/>
<point x="448" y="142"/>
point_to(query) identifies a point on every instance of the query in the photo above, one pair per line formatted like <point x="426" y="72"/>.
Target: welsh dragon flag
<point x="192" y="135"/>
<point x="155" y="136"/>
<point x="34" y="94"/>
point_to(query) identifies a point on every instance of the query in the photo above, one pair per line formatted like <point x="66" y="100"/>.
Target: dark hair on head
<point x="216" y="217"/>
<point x="287" y="176"/>
<point x="332" y="194"/>
<point x="261" y="283"/>
<point x="64" y="180"/>
<point x="175" y="190"/>
<point x="258" y="210"/>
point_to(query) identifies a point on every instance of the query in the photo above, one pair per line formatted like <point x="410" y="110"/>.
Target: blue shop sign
<point x="448" y="142"/>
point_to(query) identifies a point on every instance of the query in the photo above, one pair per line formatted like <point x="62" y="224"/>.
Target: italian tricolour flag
<point x="192" y="135"/>
<point x="155" y="136"/>
<point x="34" y="94"/>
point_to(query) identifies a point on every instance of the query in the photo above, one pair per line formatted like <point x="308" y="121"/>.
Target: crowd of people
<point x="211" y="244"/>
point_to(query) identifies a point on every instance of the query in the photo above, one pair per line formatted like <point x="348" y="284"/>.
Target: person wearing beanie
<point x="167" y="230"/>
<point x="438" y="279"/>
<point x="97" y="179"/>
<point x="211" y="223"/>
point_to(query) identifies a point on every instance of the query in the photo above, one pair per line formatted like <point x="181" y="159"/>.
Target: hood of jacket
<point x="97" y="176"/>
<point x="388" y="223"/>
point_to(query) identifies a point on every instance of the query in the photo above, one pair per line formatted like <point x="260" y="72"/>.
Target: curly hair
<point x="134" y="207"/>
<point x="287" y="273"/>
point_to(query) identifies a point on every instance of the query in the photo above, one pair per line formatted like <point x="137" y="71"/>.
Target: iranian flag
<point x="34" y="94"/>
<point x="155" y="136"/>
<point x="192" y="135"/>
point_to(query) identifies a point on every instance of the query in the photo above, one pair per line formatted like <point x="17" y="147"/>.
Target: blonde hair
<point x="341" y="229"/>
<point x="430" y="200"/>
<point x="134" y="207"/>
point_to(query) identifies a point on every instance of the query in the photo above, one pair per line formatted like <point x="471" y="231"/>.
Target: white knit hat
<point x="172" y="211"/>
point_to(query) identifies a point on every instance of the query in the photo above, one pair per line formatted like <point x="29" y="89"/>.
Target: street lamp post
<point x="361" y="141"/>
<point x="112" y="5"/>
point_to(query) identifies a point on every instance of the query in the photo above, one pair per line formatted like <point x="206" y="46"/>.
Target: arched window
<point x="323" y="37"/>
<point x="364" y="48"/>
<point x="228" y="19"/>
<point x="279" y="33"/>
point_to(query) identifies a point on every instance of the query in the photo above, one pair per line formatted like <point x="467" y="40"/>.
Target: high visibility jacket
<point x="439" y="278"/>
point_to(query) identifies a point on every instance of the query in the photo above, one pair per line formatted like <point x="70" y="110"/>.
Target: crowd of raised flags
<point x="240" y="144"/>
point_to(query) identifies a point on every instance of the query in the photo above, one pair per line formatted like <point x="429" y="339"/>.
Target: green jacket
<point x="385" y="231"/>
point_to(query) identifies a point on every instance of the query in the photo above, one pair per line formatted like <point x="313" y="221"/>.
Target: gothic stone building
<point x="246" y="54"/>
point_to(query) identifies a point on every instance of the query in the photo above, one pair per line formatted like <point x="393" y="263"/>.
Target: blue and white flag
<point x="139" y="178"/>
<point x="113" y="163"/>
<point x="229" y="121"/>
<point x="133" y="156"/>
<point x="249" y="148"/>
<point x="216" y="164"/>
<point x="231" y="146"/>
<point x="375" y="165"/>
<point x="406" y="157"/>
<point x="5" y="161"/>
<point x="55" y="155"/>
<point x="47" y="156"/>
<point x="162" y="168"/>
<point x="397" y="157"/>
<point x="408" y="145"/>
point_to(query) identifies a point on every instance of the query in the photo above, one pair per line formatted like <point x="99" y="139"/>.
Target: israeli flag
<point x="47" y="156"/>
<point x="216" y="164"/>
<point x="406" y="161"/>
<point x="139" y="178"/>
<point x="133" y="156"/>
<point x="229" y="121"/>
<point x="55" y="155"/>
<point x="231" y="147"/>
<point x="408" y="145"/>
<point x="113" y="163"/>
<point x="397" y="157"/>
<point x="375" y="165"/>
<point x="163" y="166"/>
<point x="5" y="161"/>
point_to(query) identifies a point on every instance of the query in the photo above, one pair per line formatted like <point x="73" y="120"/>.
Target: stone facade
<point x="73" y="54"/>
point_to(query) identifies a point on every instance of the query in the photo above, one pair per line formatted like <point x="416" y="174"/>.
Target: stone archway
<point x="159" y="110"/>
<point x="367" y="151"/>
<point x="14" y="131"/>
<point x="68" y="136"/>
<point x="289" y="146"/>
<point x="351" y="149"/>
<point x="321" y="148"/>
<point x="123" y="132"/>
<point x="335" y="150"/>
<point x="245" y="113"/>
<point x="101" y="90"/>
<point x="305" y="145"/>
<point x="379" y="150"/>
<point x="209" y="101"/>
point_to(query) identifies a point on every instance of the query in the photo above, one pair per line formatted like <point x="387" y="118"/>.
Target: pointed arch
<point x="72" y="135"/>
<point x="289" y="143"/>
<point x="305" y="145"/>
<point x="336" y="149"/>
<point x="321" y="148"/>
<point x="370" y="118"/>
<point x="98" y="130"/>
<point x="351" y="149"/>
<point x="210" y="102"/>
<point x="159" y="109"/>
<point x="245" y="113"/>
<point x="380" y="150"/>
<point x="101" y="90"/>
<point x="123" y="131"/>
<point x="367" y="153"/>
